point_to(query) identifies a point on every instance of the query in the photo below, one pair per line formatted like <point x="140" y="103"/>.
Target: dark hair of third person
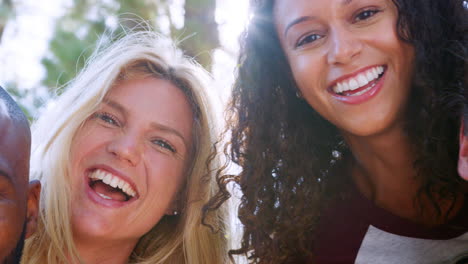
<point x="287" y="151"/>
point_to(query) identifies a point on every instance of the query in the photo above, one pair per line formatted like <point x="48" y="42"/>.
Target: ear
<point x="463" y="154"/>
<point x="34" y="193"/>
<point x="174" y="208"/>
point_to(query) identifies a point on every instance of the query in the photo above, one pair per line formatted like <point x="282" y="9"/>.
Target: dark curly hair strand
<point x="288" y="152"/>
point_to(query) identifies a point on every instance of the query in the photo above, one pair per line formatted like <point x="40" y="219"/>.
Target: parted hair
<point x="288" y="152"/>
<point x="174" y="239"/>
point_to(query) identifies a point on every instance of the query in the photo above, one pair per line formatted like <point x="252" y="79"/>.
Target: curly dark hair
<point x="287" y="151"/>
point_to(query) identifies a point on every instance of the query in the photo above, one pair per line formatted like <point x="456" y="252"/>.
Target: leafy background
<point x="78" y="24"/>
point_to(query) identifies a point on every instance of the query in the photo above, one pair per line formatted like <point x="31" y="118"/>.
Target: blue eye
<point x="164" y="144"/>
<point x="308" y="39"/>
<point x="107" y="118"/>
<point x="366" y="14"/>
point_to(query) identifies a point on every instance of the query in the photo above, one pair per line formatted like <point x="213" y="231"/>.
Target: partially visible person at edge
<point x="125" y="157"/>
<point x="463" y="152"/>
<point x="19" y="198"/>
<point x="347" y="144"/>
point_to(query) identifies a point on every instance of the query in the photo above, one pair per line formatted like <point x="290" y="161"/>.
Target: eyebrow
<point x="170" y="130"/>
<point x="306" y="18"/>
<point x="5" y="175"/>
<point x="116" y="106"/>
<point x="297" y="21"/>
<point x="154" y="125"/>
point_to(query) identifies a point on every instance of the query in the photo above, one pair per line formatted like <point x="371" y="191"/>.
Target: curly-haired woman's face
<point x="128" y="161"/>
<point x="347" y="60"/>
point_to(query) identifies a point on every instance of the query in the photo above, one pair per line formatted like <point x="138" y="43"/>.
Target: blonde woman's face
<point x="129" y="159"/>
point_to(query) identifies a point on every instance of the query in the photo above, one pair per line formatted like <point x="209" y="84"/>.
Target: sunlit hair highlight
<point x="174" y="239"/>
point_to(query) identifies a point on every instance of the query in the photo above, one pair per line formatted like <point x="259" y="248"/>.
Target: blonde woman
<point x="124" y="159"/>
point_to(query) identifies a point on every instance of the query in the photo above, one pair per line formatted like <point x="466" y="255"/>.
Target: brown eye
<point x="308" y="39"/>
<point x="366" y="14"/>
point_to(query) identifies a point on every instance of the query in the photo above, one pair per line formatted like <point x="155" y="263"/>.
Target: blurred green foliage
<point x="86" y="22"/>
<point x="6" y="13"/>
<point x="78" y="31"/>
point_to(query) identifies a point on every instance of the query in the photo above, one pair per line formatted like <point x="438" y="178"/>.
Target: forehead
<point x="13" y="143"/>
<point x="301" y="7"/>
<point x="154" y="100"/>
<point x="7" y="160"/>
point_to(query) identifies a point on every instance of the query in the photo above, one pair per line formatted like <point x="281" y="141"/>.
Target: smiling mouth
<point x="361" y="83"/>
<point x="110" y="187"/>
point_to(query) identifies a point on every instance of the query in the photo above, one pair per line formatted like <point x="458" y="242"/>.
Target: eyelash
<point x="368" y="12"/>
<point x="107" y="118"/>
<point x="306" y="39"/>
<point x="112" y="120"/>
<point x="164" y="144"/>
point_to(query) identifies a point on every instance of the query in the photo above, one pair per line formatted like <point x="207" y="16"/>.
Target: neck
<point x="383" y="171"/>
<point x="95" y="251"/>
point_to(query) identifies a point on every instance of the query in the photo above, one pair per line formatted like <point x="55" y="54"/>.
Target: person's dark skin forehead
<point x="13" y="150"/>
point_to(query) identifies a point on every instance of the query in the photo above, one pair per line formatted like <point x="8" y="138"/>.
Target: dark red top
<point x="357" y="231"/>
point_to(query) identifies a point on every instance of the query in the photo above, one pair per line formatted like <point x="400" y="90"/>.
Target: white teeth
<point x="362" y="80"/>
<point x="113" y="181"/>
<point x="370" y="76"/>
<point x="375" y="73"/>
<point x="363" y="91"/>
<point x="345" y="87"/>
<point x="340" y="88"/>
<point x="104" y="196"/>
<point x="359" y="81"/>
<point x="353" y="84"/>
<point x="107" y="179"/>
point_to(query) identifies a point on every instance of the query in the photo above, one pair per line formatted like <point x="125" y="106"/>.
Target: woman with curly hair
<point x="125" y="160"/>
<point x="347" y="144"/>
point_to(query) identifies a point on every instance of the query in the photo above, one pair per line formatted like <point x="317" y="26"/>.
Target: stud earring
<point x="175" y="212"/>
<point x="299" y="95"/>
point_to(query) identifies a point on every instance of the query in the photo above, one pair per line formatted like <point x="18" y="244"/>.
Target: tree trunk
<point x="200" y="21"/>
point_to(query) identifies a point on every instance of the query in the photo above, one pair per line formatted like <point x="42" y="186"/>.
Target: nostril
<point x="125" y="149"/>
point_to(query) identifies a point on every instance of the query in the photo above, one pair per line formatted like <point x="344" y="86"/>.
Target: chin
<point x="370" y="127"/>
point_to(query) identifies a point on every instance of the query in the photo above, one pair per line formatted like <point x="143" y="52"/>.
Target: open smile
<point x="359" y="87"/>
<point x="110" y="189"/>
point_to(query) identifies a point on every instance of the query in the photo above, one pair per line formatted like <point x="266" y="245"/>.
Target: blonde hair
<point x="174" y="239"/>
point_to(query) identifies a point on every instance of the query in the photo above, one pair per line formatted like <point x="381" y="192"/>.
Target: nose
<point x="344" y="46"/>
<point x="126" y="148"/>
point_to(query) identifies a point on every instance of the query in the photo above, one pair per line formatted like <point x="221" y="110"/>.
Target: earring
<point x="175" y="212"/>
<point x="299" y="95"/>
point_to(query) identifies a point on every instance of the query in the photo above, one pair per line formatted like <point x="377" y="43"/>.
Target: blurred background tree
<point x="6" y="13"/>
<point x="85" y="22"/>
<point x="78" y="31"/>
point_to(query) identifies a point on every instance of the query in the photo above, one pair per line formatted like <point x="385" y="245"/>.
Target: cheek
<point x="309" y="73"/>
<point x="11" y="225"/>
<point x="395" y="47"/>
<point x="166" y="175"/>
<point x="408" y="60"/>
<point x="84" y="142"/>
